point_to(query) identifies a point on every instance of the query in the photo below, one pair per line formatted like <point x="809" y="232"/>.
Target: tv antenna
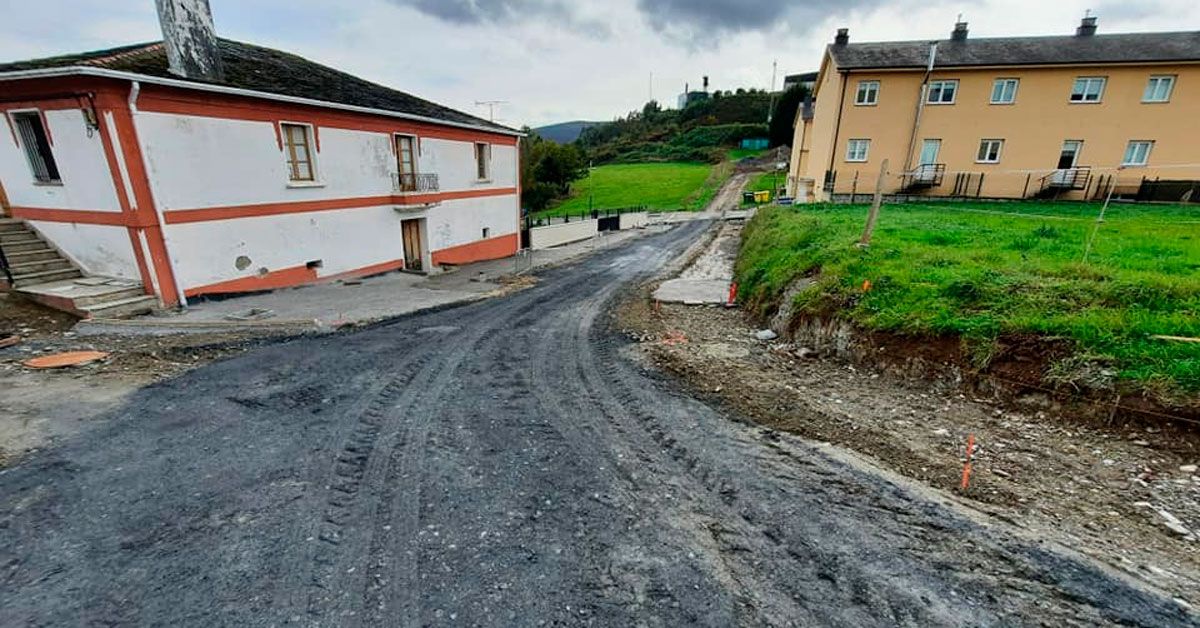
<point x="491" y="105"/>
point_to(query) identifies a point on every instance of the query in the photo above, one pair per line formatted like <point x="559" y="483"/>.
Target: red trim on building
<point x="288" y="277"/>
<point x="81" y="216"/>
<point x="229" y="212"/>
<point x="492" y="248"/>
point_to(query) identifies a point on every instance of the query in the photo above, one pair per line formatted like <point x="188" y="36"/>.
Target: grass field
<point x="656" y="186"/>
<point x="983" y="270"/>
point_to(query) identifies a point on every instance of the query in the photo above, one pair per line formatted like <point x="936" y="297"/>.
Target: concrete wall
<point x="554" y="235"/>
<point x="634" y="220"/>
<point x="1033" y="128"/>
<point x="97" y="249"/>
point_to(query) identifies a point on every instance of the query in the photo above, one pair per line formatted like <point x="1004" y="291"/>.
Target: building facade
<point x="277" y="172"/>
<point x="1068" y="117"/>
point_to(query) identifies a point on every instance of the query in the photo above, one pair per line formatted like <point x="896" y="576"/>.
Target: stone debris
<point x="766" y="335"/>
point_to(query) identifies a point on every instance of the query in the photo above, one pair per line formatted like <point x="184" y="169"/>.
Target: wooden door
<point x="413" y="254"/>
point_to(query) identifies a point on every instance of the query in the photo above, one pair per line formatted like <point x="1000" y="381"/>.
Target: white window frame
<point x="311" y="140"/>
<point x="865" y="143"/>
<point x="1151" y="88"/>
<point x="1002" y="83"/>
<point x="25" y="148"/>
<point x="874" y="93"/>
<point x="984" y="156"/>
<point x="1088" y="81"/>
<point x="941" y="83"/>
<point x="487" y="161"/>
<point x="1129" y="148"/>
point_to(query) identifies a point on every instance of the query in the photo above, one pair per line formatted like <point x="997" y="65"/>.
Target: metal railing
<point x="4" y="266"/>
<point x="1067" y="178"/>
<point x="924" y="176"/>
<point x="409" y="183"/>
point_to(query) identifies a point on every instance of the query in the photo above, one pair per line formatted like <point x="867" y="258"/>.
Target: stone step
<point x="114" y="293"/>
<point x="25" y="266"/>
<point x="31" y="279"/>
<point x="27" y="244"/>
<point x="121" y="308"/>
<point x="33" y="255"/>
<point x="9" y="225"/>
<point x="17" y="237"/>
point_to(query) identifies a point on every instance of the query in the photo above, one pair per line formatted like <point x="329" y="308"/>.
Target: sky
<point x="558" y="60"/>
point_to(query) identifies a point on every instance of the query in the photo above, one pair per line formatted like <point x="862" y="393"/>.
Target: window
<point x="483" y="161"/>
<point x="1087" y="89"/>
<point x="942" y="92"/>
<point x="1159" y="89"/>
<point x="36" y="144"/>
<point x="406" y="162"/>
<point x="296" y="141"/>
<point x="1004" y="91"/>
<point x="868" y="93"/>
<point x="989" y="151"/>
<point x="1137" y="153"/>
<point x="856" y="150"/>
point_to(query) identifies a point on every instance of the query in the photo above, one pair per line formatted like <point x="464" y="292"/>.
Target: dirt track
<point x="500" y="463"/>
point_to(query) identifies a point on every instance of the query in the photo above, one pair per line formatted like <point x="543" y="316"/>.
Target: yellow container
<point x="762" y="196"/>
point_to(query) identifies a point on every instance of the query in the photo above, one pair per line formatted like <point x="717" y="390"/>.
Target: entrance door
<point x="407" y="161"/>
<point x="413" y="254"/>
<point x="1067" y="159"/>
<point x="929" y="155"/>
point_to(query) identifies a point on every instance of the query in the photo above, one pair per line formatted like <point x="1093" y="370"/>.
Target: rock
<point x="941" y="432"/>
<point x="766" y="334"/>
<point x="1173" y="523"/>
<point x="1188" y="468"/>
<point x="1141" y="443"/>
<point x="806" y="352"/>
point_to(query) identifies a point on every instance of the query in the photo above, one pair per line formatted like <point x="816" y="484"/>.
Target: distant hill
<point x="564" y="132"/>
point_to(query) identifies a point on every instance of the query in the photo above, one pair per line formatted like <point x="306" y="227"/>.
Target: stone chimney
<point x="960" y="31"/>
<point x="842" y="38"/>
<point x="1087" y="27"/>
<point x="190" y="39"/>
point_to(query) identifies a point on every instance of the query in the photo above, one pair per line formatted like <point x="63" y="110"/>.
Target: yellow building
<point x="1066" y="117"/>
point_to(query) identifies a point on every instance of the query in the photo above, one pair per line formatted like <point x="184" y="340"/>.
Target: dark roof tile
<point x="265" y="70"/>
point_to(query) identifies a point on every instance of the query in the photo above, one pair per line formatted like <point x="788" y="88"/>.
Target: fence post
<point x="873" y="216"/>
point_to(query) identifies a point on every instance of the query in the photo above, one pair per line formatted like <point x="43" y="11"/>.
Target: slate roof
<point x="1064" y="50"/>
<point x="265" y="70"/>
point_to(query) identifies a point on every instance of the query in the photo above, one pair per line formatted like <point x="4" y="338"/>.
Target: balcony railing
<point x="406" y="183"/>
<point x="924" y="176"/>
<point x="1068" y="178"/>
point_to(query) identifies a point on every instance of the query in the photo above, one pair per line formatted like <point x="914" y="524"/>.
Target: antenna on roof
<point x="491" y="105"/>
<point x="1087" y="13"/>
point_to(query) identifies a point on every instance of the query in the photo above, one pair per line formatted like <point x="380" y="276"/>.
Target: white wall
<point x="97" y="249"/>
<point x="634" y="220"/>
<point x="86" y="181"/>
<point x="554" y="235"/>
<point x="454" y="162"/>
<point x="462" y="221"/>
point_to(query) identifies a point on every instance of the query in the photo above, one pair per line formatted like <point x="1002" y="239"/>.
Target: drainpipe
<point x="912" y="139"/>
<point x="135" y="89"/>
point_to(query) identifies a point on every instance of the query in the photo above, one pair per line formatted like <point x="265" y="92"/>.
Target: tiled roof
<point x="265" y="70"/>
<point x="1068" y="50"/>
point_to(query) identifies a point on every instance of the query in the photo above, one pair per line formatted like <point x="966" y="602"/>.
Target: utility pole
<point x="873" y="217"/>
<point x="491" y="105"/>
<point x="771" y="108"/>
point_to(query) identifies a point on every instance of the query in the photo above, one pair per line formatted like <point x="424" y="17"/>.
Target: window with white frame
<point x="989" y="151"/>
<point x="483" y="161"/>
<point x="942" y="92"/>
<point x="1088" y="89"/>
<point x="1004" y="91"/>
<point x="36" y="144"/>
<point x="1158" y="89"/>
<point x="297" y="146"/>
<point x="868" y="93"/>
<point x="856" y="150"/>
<point x="1137" y="153"/>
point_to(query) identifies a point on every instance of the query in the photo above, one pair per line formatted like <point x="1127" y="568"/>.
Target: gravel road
<point x="500" y="463"/>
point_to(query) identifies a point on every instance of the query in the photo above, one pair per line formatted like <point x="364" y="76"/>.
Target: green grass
<point x="736" y="154"/>
<point x="655" y="186"/>
<point x="765" y="181"/>
<point x="980" y="271"/>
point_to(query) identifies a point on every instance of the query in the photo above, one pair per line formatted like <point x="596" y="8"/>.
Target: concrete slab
<point x="693" y="291"/>
<point x="706" y="281"/>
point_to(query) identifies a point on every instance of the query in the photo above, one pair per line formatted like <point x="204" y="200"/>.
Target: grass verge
<point x="980" y="271"/>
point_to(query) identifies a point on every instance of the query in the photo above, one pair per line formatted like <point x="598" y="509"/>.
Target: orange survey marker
<point x="866" y="285"/>
<point x="732" y="300"/>
<point x="966" y="478"/>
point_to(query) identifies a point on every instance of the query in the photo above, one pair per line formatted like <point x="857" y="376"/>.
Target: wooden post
<point x="873" y="217"/>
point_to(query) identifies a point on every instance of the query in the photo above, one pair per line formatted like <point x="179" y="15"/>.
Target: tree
<point x="783" y="118"/>
<point x="547" y="170"/>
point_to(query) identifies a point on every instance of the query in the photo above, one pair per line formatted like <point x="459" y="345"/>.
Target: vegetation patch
<point x="986" y="271"/>
<point x="654" y="186"/>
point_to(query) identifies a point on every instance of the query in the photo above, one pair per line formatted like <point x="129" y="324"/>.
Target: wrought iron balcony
<point x="407" y="183"/>
<point x="1068" y="178"/>
<point x="924" y="176"/>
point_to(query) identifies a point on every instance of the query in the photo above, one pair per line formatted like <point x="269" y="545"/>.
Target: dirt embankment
<point x="1125" y="493"/>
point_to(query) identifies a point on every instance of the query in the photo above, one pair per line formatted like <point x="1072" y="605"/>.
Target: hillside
<point x="565" y="132"/>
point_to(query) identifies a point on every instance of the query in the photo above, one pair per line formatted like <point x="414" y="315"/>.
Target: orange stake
<point x="966" y="477"/>
<point x="732" y="295"/>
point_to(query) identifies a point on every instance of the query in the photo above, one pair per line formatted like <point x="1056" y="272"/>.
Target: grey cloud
<point x="694" y="19"/>
<point x="505" y="11"/>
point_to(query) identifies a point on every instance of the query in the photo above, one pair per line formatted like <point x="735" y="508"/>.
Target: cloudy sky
<point x="557" y="60"/>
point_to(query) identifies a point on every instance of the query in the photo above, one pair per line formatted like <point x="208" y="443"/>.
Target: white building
<point x="211" y="166"/>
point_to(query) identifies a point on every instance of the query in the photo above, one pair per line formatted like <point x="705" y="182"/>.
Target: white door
<point x="929" y="155"/>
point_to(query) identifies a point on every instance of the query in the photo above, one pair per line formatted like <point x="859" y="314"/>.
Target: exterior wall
<point x="98" y="249"/>
<point x="633" y="220"/>
<point x="554" y="235"/>
<point x="1033" y="128"/>
<point x="828" y="97"/>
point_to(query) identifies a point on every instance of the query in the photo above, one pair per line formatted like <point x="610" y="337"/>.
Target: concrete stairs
<point x="43" y="275"/>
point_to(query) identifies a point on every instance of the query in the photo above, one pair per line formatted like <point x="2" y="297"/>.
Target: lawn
<point x="980" y="271"/>
<point x="655" y="186"/>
